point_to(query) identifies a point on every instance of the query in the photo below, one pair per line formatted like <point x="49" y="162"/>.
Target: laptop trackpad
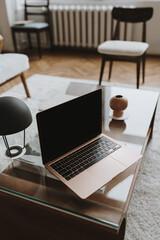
<point x="106" y="169"/>
<point x="126" y="156"/>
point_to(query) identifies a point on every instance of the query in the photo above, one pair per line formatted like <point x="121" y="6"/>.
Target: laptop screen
<point x="69" y="125"/>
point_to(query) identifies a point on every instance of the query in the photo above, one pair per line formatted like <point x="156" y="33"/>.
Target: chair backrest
<point x="33" y="9"/>
<point x="131" y="15"/>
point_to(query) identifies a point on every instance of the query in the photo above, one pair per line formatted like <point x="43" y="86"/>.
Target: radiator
<point x="82" y="26"/>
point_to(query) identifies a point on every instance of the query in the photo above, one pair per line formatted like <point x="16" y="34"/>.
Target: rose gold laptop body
<point x="53" y="142"/>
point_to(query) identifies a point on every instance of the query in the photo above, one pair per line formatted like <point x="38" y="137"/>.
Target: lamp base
<point x="14" y="151"/>
<point x="4" y="155"/>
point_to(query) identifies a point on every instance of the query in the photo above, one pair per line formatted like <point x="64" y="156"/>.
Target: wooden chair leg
<point x="39" y="44"/>
<point x="143" y="67"/>
<point x="29" y="40"/>
<point x="51" y="39"/>
<point x="102" y="69"/>
<point x="1" y="43"/>
<point x="138" y="72"/>
<point x="14" y="41"/>
<point x="110" y="69"/>
<point x="50" y="33"/>
<point x="25" y="85"/>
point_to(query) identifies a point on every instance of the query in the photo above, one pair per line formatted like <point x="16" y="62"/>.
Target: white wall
<point x="153" y="33"/>
<point x="6" y="6"/>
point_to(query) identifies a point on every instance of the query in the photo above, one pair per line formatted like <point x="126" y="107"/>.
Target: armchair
<point x="11" y="66"/>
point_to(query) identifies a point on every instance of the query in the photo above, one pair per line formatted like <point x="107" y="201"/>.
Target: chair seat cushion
<point x="12" y="64"/>
<point x="32" y="25"/>
<point x="123" y="48"/>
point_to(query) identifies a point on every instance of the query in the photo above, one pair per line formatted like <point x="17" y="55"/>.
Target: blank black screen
<point x="70" y="124"/>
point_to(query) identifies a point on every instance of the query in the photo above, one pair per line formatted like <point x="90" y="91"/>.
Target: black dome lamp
<point x="15" y="116"/>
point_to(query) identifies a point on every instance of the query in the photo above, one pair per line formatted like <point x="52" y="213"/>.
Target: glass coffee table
<point x="36" y="200"/>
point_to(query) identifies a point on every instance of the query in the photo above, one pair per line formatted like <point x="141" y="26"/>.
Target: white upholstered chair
<point x="13" y="65"/>
<point x="122" y="50"/>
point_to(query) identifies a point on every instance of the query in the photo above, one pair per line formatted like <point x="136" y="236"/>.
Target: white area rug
<point x="143" y="221"/>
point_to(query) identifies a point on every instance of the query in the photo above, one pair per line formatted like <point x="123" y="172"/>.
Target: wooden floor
<point x="86" y="65"/>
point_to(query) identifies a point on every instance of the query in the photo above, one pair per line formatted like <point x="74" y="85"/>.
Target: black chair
<point x="122" y="50"/>
<point x="29" y="27"/>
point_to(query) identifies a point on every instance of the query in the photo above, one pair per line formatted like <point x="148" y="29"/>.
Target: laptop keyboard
<point x="78" y="161"/>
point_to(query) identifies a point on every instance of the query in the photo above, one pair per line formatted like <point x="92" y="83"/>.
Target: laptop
<point x="74" y="148"/>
